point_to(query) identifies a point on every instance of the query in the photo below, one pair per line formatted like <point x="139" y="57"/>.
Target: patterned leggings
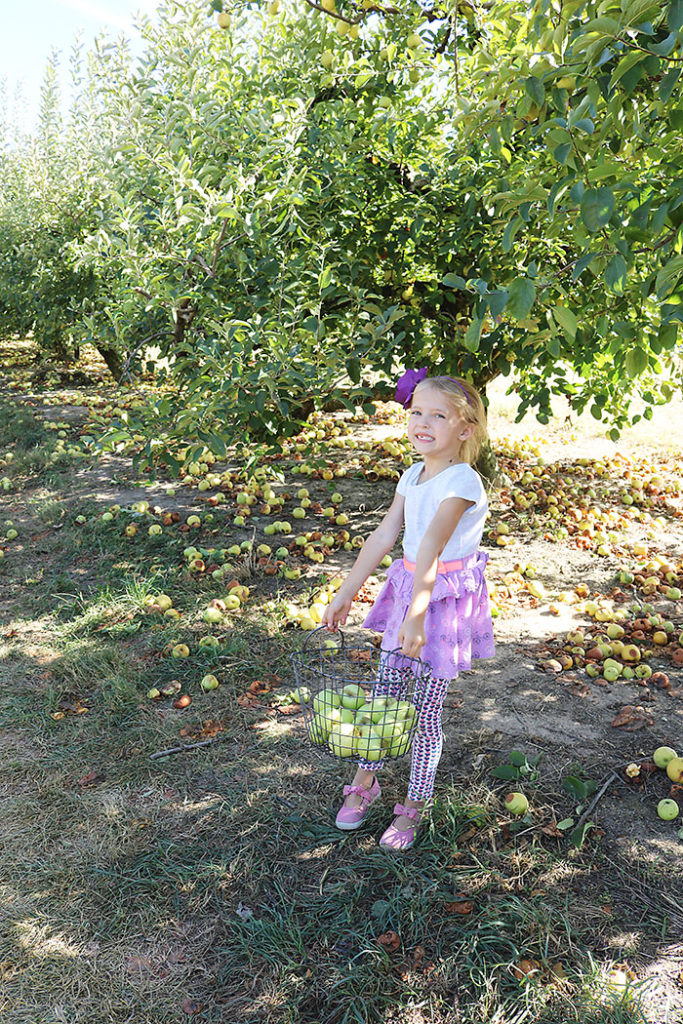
<point x="428" y="741"/>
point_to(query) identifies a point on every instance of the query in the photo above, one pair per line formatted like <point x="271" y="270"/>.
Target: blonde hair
<point x="467" y="402"/>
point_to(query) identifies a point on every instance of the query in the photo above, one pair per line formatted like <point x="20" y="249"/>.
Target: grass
<point x="139" y="890"/>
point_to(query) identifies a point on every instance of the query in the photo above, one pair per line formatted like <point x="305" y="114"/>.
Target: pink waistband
<point x="441" y="566"/>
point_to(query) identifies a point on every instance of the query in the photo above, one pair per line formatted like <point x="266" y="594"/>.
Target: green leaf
<point x="453" y="281"/>
<point x="496" y="301"/>
<point x="506" y="772"/>
<point x="636" y="362"/>
<point x="668" y="276"/>
<point x="625" y="64"/>
<point x="566" y="319"/>
<point x="561" y="152"/>
<point x="664" y="48"/>
<point x="668" y="83"/>
<point x="597" y="206"/>
<point x="608" y="169"/>
<point x="581" y="264"/>
<point x="674" y="15"/>
<point x="521" y="297"/>
<point x="565" y="824"/>
<point x="517" y="758"/>
<point x="353" y="369"/>
<point x="585" y="125"/>
<point x="615" y="274"/>
<point x="578" y="836"/>
<point x="603" y="26"/>
<point x="640" y="10"/>
<point x="575" y="786"/>
<point x="667" y="336"/>
<point x="510" y="231"/>
<point x="473" y="335"/>
<point x="535" y="91"/>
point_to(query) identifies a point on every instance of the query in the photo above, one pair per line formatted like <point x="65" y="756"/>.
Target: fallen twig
<point x="596" y="799"/>
<point x="181" y="748"/>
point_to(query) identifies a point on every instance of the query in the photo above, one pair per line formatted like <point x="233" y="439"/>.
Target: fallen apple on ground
<point x="516" y="803"/>
<point x="663" y="755"/>
<point x="667" y="809"/>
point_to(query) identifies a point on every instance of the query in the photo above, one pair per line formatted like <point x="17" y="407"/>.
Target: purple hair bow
<point x="407" y="384"/>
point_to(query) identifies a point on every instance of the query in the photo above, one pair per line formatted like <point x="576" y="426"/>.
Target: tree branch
<point x="335" y="14"/>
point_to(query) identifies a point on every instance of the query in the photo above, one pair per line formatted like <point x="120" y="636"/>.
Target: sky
<point x="35" y="28"/>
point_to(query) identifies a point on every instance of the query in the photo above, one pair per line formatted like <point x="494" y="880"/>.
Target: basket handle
<point x="312" y="633"/>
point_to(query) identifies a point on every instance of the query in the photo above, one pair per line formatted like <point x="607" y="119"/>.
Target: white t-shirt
<point x="423" y="499"/>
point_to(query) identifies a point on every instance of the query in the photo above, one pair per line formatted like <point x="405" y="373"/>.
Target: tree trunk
<point x="113" y="360"/>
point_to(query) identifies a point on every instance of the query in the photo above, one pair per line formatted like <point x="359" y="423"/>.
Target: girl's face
<point x="435" y="427"/>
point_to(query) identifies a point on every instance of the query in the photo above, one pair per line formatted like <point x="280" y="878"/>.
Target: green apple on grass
<point x="212" y="615"/>
<point x="209" y="643"/>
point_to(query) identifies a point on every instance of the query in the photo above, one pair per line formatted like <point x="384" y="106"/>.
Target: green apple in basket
<point x="332" y="717"/>
<point x="363" y="716"/>
<point x="399" y="745"/>
<point x="324" y="700"/>
<point x="380" y="705"/>
<point x="323" y="721"/>
<point x="342" y="739"/>
<point x="406" y="712"/>
<point x="352" y="696"/>
<point x="368" y="743"/>
<point x="389" y="728"/>
<point x="317" y="732"/>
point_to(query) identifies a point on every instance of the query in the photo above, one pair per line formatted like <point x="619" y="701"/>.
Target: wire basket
<point x="359" y="702"/>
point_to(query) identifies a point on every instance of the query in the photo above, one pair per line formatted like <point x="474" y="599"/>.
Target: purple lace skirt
<point x="458" y="623"/>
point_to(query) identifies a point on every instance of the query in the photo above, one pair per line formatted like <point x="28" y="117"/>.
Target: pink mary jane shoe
<point x="395" y="839"/>
<point x="349" y="818"/>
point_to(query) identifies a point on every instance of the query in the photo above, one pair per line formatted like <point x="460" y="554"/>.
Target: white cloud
<point x="104" y="14"/>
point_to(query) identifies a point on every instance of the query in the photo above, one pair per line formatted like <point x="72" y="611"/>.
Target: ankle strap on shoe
<point x="414" y="813"/>
<point x="363" y="793"/>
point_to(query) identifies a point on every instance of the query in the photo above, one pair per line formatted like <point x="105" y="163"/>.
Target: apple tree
<point x="49" y="191"/>
<point x="296" y="199"/>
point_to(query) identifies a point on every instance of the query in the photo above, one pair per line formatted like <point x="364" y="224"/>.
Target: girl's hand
<point x="336" y="612"/>
<point x="411" y="636"/>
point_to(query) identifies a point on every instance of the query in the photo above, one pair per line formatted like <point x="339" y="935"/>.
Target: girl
<point x="434" y="604"/>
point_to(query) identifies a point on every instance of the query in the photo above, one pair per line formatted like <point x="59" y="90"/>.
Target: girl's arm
<point x="411" y="636"/>
<point x="378" y="544"/>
